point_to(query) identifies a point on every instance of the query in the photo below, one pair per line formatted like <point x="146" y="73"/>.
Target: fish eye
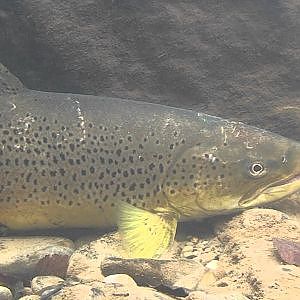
<point x="256" y="169"/>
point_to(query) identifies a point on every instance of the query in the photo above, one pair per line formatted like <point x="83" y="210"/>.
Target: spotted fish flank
<point x="83" y="161"/>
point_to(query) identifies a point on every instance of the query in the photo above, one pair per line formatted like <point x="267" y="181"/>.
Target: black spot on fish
<point x="161" y="168"/>
<point x="132" y="187"/>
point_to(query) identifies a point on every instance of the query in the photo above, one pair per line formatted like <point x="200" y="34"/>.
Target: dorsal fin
<point x="9" y="84"/>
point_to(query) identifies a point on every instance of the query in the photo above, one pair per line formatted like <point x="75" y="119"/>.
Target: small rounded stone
<point x="123" y="279"/>
<point x="30" y="297"/>
<point x="190" y="254"/>
<point x="189" y="244"/>
<point x="212" y="265"/>
<point x="188" y="249"/>
<point x="27" y="291"/>
<point x="5" y="293"/>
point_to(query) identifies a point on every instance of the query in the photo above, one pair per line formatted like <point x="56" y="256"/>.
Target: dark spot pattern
<point x="201" y="173"/>
<point x="63" y="164"/>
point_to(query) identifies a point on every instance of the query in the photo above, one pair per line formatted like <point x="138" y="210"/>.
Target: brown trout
<point x="86" y="161"/>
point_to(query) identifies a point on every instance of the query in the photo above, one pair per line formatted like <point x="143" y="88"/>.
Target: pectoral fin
<point x="146" y="234"/>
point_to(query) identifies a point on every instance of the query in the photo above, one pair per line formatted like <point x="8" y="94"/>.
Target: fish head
<point x="242" y="167"/>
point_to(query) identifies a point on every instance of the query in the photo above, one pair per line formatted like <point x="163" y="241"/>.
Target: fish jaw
<point x="273" y="192"/>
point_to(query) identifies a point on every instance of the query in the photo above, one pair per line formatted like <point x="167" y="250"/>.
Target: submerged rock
<point x="233" y="60"/>
<point x="41" y="283"/>
<point x="25" y="257"/>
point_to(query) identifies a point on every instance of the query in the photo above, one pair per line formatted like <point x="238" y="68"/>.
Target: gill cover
<point x="233" y="169"/>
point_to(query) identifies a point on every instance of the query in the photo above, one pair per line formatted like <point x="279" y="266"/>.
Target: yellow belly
<point x="33" y="216"/>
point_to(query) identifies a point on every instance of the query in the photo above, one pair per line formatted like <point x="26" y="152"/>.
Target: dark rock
<point x="233" y="59"/>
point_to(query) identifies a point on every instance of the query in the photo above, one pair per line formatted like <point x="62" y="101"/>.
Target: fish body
<point x="87" y="161"/>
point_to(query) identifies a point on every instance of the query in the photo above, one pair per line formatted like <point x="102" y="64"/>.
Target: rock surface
<point x="199" y="295"/>
<point x="25" y="257"/>
<point x="172" y="274"/>
<point x="249" y="263"/>
<point x="86" y="261"/>
<point x="236" y="60"/>
<point x="107" y="291"/>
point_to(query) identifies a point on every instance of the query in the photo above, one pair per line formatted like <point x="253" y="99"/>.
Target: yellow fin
<point x="146" y="234"/>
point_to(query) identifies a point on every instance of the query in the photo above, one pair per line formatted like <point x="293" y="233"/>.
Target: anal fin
<point x="146" y="234"/>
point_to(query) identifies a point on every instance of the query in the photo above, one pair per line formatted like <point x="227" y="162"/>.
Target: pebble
<point x="199" y="295"/>
<point x="5" y="293"/>
<point x="190" y="254"/>
<point x="206" y="257"/>
<point x="123" y="279"/>
<point x="144" y="293"/>
<point x="30" y="297"/>
<point x="291" y="269"/>
<point x="188" y="248"/>
<point x="189" y="244"/>
<point x="41" y="283"/>
<point x="92" y="291"/>
<point x="194" y="240"/>
<point x="196" y="295"/>
<point x="212" y="265"/>
<point x="27" y="291"/>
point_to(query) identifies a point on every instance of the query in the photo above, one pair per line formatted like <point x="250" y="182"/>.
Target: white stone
<point x="5" y="293"/>
<point x="30" y="297"/>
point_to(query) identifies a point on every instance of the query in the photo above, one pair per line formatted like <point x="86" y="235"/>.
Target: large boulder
<point x="236" y="60"/>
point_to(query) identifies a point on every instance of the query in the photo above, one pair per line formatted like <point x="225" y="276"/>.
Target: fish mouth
<point x="272" y="192"/>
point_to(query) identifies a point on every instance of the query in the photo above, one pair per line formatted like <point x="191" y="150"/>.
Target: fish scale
<point x="70" y="160"/>
<point x="67" y="155"/>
